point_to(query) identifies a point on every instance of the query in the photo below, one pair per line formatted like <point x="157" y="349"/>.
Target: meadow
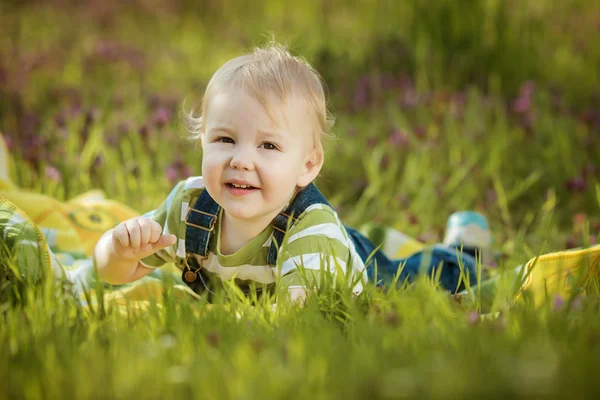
<point x="440" y="106"/>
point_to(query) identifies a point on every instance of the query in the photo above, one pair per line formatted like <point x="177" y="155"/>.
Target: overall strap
<point x="200" y="223"/>
<point x="305" y="198"/>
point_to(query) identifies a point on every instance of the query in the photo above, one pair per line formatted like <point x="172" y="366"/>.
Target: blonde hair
<point x="269" y="70"/>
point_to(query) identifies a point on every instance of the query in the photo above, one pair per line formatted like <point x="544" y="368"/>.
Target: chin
<point x="240" y="213"/>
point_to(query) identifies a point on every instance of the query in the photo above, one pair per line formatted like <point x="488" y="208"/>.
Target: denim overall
<point x="201" y="219"/>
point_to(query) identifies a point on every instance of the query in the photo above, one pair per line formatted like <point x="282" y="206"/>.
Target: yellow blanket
<point x="50" y="235"/>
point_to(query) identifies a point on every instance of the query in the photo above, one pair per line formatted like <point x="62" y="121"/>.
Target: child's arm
<point x="317" y="247"/>
<point x="119" y="251"/>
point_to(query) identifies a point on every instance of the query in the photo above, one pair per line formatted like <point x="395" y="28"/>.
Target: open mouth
<point x="242" y="187"/>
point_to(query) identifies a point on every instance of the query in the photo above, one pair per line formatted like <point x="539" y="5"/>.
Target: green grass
<point x="405" y="155"/>
<point x="401" y="343"/>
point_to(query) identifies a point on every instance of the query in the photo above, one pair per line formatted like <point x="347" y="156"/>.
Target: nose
<point x="242" y="159"/>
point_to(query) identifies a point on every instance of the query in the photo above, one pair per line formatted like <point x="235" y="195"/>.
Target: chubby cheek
<point x="211" y="173"/>
<point x="281" y="180"/>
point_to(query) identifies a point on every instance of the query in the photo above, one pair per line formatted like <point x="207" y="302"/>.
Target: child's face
<point x="243" y="145"/>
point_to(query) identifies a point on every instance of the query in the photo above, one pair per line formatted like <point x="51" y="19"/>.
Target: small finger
<point x="133" y="227"/>
<point x="121" y="235"/>
<point x="145" y="230"/>
<point x="156" y="232"/>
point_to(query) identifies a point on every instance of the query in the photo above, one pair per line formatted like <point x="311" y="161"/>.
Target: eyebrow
<point x="221" y="129"/>
<point x="272" y="134"/>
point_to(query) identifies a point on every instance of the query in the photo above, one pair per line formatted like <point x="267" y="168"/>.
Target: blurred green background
<point x="441" y="105"/>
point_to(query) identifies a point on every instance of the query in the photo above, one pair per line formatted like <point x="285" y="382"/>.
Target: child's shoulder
<point x="189" y="186"/>
<point x="317" y="215"/>
<point x="183" y="192"/>
<point x="193" y="183"/>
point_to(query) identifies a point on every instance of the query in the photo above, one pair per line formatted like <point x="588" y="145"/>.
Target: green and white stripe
<point x="317" y="240"/>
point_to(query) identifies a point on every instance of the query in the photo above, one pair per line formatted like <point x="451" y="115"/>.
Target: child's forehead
<point x="281" y="111"/>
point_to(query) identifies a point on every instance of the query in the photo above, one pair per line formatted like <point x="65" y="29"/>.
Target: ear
<point x="312" y="166"/>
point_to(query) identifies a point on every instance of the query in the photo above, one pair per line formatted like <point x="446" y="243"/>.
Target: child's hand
<point x="138" y="238"/>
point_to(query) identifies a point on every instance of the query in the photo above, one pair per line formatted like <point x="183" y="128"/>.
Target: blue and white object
<point x="470" y="230"/>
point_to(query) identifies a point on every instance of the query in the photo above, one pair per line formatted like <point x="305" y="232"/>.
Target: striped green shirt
<point x="317" y="241"/>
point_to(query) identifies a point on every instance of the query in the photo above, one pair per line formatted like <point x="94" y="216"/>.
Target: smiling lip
<point x="240" y="182"/>
<point x="234" y="191"/>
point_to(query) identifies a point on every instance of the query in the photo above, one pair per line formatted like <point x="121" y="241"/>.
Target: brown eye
<point x="269" y="146"/>
<point x="225" y="139"/>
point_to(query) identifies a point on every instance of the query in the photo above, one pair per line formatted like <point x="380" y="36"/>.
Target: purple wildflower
<point x="527" y="120"/>
<point x="385" y="161"/>
<point x="124" y="127"/>
<point x="61" y="119"/>
<point x="144" y="131"/>
<point x="172" y="174"/>
<point x="577" y="303"/>
<point x="522" y="105"/>
<point x="527" y="89"/>
<point x="588" y="116"/>
<point x="403" y="200"/>
<point x="431" y="142"/>
<point x="161" y="116"/>
<point x="31" y="123"/>
<point x="52" y="173"/>
<point x="459" y="99"/>
<point x="111" y="140"/>
<point x="112" y="51"/>
<point x="75" y="110"/>
<point x="492" y="196"/>
<point x="420" y="131"/>
<point x="571" y="242"/>
<point x="372" y="142"/>
<point x="177" y="170"/>
<point x="187" y="171"/>
<point x="387" y="82"/>
<point x="473" y="318"/>
<point x="118" y="102"/>
<point x="558" y="302"/>
<point x="107" y="50"/>
<point x="9" y="143"/>
<point x="410" y="98"/>
<point x="85" y="133"/>
<point x="154" y="101"/>
<point x="213" y="339"/>
<point x="92" y="115"/>
<point x="589" y="169"/>
<point x="557" y="101"/>
<point x="98" y="162"/>
<point x="399" y="139"/>
<point x="577" y="184"/>
<point x="34" y="148"/>
<point x="412" y="218"/>
<point x="362" y="94"/>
